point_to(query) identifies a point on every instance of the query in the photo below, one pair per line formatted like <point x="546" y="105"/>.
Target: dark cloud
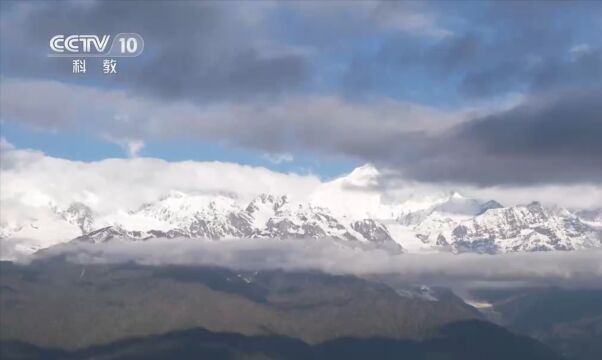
<point x="552" y="138"/>
<point x="548" y="139"/>
<point x="216" y="52"/>
<point x="565" y="125"/>
<point x="549" y="52"/>
<point x="204" y="51"/>
<point x="501" y="47"/>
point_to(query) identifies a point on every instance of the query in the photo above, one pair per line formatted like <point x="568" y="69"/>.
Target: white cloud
<point x="33" y="179"/>
<point x="579" y="50"/>
<point x="571" y="196"/>
<point x="5" y="145"/>
<point x="110" y="185"/>
<point x="134" y="147"/>
<point x="278" y="158"/>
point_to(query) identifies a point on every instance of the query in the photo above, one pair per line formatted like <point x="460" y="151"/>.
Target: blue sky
<point x="84" y="147"/>
<point x="313" y="87"/>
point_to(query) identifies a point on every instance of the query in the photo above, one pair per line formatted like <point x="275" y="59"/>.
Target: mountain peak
<point x="273" y="202"/>
<point x="364" y="175"/>
<point x="456" y="195"/>
<point x="491" y="204"/>
<point x="534" y="205"/>
<point x="339" y="212"/>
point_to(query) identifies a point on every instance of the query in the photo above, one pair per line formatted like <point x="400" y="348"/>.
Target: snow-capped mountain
<point x="37" y="228"/>
<point x="348" y="210"/>
<point x="530" y="227"/>
<point x="79" y="214"/>
<point x="450" y="209"/>
<point x="221" y="217"/>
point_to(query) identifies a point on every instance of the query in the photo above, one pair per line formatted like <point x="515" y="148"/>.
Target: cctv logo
<point x="75" y="46"/>
<point x="79" y="43"/>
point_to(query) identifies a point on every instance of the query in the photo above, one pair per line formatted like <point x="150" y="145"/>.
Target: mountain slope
<point x="50" y="302"/>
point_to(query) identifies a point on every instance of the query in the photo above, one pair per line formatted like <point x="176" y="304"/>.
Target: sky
<point x="487" y="94"/>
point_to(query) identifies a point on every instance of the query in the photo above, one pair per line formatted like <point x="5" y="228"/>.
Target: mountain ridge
<point x="340" y="210"/>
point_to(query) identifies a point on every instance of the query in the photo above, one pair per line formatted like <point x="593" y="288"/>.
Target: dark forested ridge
<point x="464" y="340"/>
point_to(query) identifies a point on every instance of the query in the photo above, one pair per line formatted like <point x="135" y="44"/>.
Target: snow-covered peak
<point x="456" y="195"/>
<point x="179" y="210"/>
<point x="81" y="215"/>
<point x="362" y="176"/>
<point x="432" y="212"/>
<point x="188" y="205"/>
<point x="264" y="207"/>
<point x="265" y="202"/>
<point x="458" y="204"/>
<point x="531" y="227"/>
<point x="348" y="209"/>
<point x="352" y="195"/>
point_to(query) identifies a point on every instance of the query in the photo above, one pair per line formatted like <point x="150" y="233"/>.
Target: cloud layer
<point x="577" y="268"/>
<point x="110" y="185"/>
<point x="422" y="89"/>
<point x="32" y="179"/>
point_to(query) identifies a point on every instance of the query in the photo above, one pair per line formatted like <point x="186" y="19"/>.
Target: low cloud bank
<point x="32" y="180"/>
<point x="576" y="268"/>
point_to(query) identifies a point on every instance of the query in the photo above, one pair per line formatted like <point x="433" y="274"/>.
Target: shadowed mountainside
<point x="568" y="320"/>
